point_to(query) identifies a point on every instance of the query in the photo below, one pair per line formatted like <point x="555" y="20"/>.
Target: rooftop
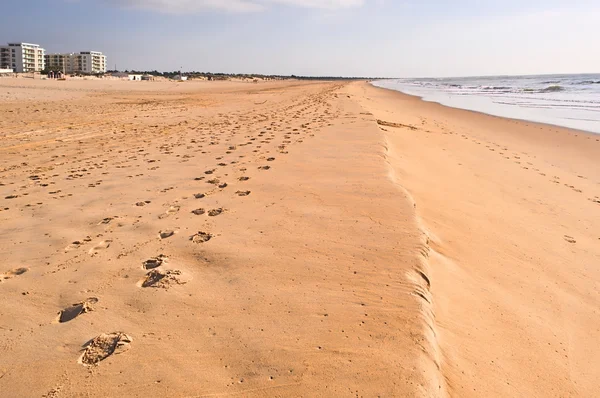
<point x="23" y="44"/>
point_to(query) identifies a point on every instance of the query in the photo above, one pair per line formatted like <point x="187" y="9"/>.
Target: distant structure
<point x="22" y="57"/>
<point x="91" y="62"/>
<point x="128" y="76"/>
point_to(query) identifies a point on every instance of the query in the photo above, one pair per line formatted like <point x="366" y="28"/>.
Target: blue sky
<point x="384" y="38"/>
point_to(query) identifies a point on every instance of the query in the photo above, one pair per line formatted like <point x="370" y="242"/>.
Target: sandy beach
<point x="512" y="213"/>
<point x="291" y="239"/>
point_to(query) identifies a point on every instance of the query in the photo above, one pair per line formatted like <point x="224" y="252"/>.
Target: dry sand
<point x="220" y="238"/>
<point x="512" y="211"/>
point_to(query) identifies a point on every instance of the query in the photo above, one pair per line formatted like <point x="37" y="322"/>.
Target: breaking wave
<point x="552" y="89"/>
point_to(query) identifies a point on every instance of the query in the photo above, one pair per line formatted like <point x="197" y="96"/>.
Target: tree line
<point x="223" y="76"/>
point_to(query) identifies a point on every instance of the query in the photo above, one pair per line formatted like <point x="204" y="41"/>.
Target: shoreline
<point x="320" y="238"/>
<point x="550" y="137"/>
<point x="504" y="263"/>
<point x="490" y="114"/>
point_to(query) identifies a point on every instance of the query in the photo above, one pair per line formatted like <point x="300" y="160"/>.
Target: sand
<point x="290" y="239"/>
<point x="512" y="212"/>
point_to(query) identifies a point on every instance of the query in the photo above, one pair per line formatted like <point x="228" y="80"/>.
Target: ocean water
<point x="563" y="100"/>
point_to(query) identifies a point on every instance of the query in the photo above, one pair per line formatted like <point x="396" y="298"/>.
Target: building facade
<point x="91" y="62"/>
<point x="22" y="57"/>
<point x="60" y="62"/>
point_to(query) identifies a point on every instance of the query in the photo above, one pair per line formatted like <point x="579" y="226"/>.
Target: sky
<point x="371" y="38"/>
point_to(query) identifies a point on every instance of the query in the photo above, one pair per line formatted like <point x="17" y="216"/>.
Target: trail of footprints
<point x="243" y="139"/>
<point x="519" y="158"/>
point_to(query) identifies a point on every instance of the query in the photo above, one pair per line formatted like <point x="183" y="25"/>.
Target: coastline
<point x="362" y="242"/>
<point x="502" y="201"/>
<point x="548" y="136"/>
<point x="435" y="101"/>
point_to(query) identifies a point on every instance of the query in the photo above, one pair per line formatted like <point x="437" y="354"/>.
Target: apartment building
<point x="93" y="62"/>
<point x="61" y="62"/>
<point x="84" y="62"/>
<point x="22" y="57"/>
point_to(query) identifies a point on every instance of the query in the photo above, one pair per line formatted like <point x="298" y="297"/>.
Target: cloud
<point x="195" y="6"/>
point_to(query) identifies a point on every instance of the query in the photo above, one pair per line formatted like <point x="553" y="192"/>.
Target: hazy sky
<point x="391" y="38"/>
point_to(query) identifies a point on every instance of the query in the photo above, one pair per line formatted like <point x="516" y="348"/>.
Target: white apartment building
<point x="22" y="57"/>
<point x="93" y="62"/>
<point x="84" y="62"/>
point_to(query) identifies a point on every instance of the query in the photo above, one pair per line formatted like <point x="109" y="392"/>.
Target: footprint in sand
<point x="107" y="220"/>
<point x="244" y="178"/>
<point x="201" y="237"/>
<point x="199" y="195"/>
<point x="161" y="279"/>
<point x="170" y="211"/>
<point x="215" y="212"/>
<point x="199" y="212"/>
<point x="154" y="262"/>
<point x="12" y="273"/>
<point x="166" y="234"/>
<point x="72" y="312"/>
<point x="76" y="244"/>
<point x="264" y="167"/>
<point x="570" y="239"/>
<point x="243" y="193"/>
<point x="105" y="244"/>
<point x="103" y="346"/>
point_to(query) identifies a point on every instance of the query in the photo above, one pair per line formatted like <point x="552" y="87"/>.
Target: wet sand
<point x="290" y="239"/>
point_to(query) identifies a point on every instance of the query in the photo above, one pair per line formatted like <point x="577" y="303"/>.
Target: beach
<point x="291" y="238"/>
<point x="568" y="100"/>
<point x="512" y="212"/>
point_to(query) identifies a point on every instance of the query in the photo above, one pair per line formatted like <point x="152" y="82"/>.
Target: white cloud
<point x="194" y="6"/>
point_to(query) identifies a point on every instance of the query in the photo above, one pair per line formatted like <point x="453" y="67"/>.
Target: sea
<point x="564" y="100"/>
